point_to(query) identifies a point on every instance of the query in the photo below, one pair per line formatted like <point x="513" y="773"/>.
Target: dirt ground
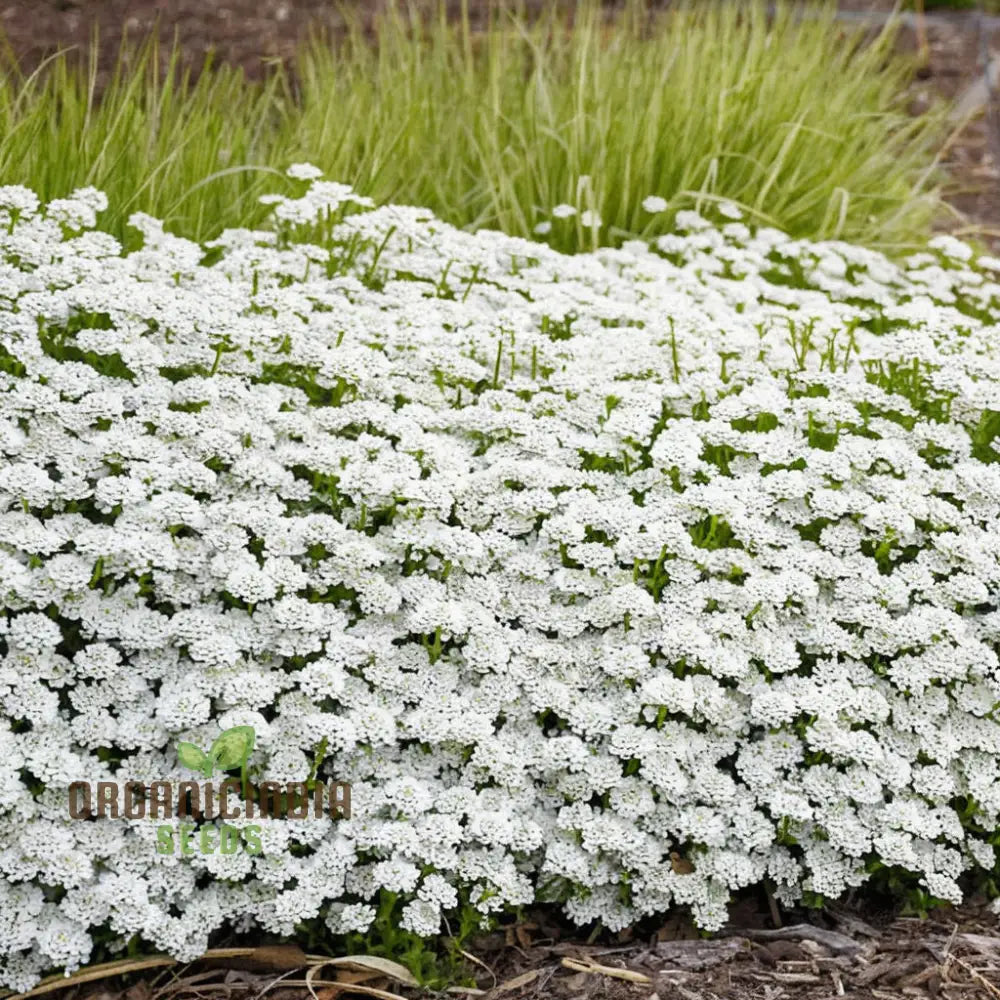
<point x="961" y="48"/>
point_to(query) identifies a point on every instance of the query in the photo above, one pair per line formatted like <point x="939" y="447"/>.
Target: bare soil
<point x="960" y="49"/>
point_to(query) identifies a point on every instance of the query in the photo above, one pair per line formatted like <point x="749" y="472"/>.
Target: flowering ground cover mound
<point x="567" y="564"/>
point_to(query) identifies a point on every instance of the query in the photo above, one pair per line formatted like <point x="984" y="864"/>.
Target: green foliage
<point x="436" y="963"/>
<point x="799" y="121"/>
<point x="194" y="154"/>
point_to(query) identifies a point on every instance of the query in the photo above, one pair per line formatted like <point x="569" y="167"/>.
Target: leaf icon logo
<point x="231" y="748"/>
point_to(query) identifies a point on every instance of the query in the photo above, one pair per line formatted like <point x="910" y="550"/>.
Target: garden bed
<point x="640" y="583"/>
<point x="954" y="954"/>
<point x="709" y="643"/>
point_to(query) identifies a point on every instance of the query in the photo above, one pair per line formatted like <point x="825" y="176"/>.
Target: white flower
<point x="421" y="917"/>
<point x="304" y="172"/>
<point x="951" y="247"/>
<point x="351" y="918"/>
<point x="654" y="203"/>
<point x="574" y="563"/>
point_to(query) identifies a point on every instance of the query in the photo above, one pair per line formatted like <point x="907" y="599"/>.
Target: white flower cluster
<point x="568" y="562"/>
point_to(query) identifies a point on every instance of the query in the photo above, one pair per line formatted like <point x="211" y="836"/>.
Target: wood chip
<point x="838" y="983"/>
<point x="975" y="975"/>
<point x="687" y="994"/>
<point x="785" y="977"/>
<point x="872" y="972"/>
<point x="853" y="924"/>
<point x="783" y="951"/>
<point x="588" y="966"/>
<point x="983" y="943"/>
<point x="523" y="935"/>
<point x="694" y="956"/>
<point x="839" y="944"/>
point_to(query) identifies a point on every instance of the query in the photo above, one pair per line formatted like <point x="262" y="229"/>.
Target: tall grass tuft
<point x="799" y="121"/>
<point x="194" y="153"/>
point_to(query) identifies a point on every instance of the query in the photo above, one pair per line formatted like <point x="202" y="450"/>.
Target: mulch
<point x="953" y="954"/>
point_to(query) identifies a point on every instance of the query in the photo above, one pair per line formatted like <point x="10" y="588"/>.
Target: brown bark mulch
<point x="953" y="954"/>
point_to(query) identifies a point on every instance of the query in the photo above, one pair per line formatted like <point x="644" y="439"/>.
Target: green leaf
<point x="232" y="747"/>
<point x="192" y="756"/>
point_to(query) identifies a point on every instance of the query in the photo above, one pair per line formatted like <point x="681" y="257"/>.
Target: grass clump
<point x="796" y="120"/>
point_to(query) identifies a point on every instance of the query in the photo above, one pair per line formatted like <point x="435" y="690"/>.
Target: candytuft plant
<point x="619" y="581"/>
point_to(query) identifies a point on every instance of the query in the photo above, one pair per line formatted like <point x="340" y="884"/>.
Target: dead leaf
<point x="371" y="964"/>
<point x="354" y="976"/>
<point x="277" y="956"/>
<point x="680" y="865"/>
<point x="90" y="974"/>
<point x="517" y="982"/>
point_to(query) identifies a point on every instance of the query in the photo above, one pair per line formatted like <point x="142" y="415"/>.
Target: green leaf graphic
<point x="192" y="756"/>
<point x="232" y="747"/>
